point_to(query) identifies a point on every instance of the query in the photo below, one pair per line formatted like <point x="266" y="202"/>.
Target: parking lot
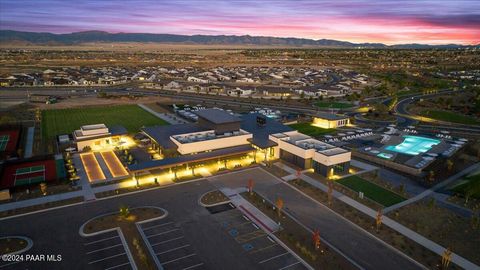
<point x="170" y="245"/>
<point x="259" y="247"/>
<point x="106" y="251"/>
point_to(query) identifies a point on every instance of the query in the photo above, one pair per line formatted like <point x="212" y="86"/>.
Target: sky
<point x="384" y="21"/>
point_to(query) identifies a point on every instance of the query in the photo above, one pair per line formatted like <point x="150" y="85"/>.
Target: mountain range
<point x="35" y="38"/>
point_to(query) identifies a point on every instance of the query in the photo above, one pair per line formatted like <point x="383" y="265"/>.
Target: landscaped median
<point x="298" y="238"/>
<point x="212" y="198"/>
<point x="14" y="244"/>
<point x="125" y="222"/>
<point x="386" y="234"/>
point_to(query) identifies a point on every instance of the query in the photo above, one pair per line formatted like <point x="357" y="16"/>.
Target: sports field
<point x="92" y="168"/>
<point x="113" y="163"/>
<point x="65" y="121"/>
<point x="8" y="140"/>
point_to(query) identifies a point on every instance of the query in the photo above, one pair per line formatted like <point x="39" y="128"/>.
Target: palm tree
<point x="449" y="165"/>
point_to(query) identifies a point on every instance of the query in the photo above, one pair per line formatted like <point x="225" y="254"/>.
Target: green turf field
<point x="335" y="105"/>
<point x="451" y="117"/>
<point x="65" y="121"/>
<point x="371" y="190"/>
<point x="308" y="129"/>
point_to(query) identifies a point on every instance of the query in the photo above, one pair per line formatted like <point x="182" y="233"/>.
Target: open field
<point x="307" y="128"/>
<point x="336" y="105"/>
<point x="371" y="190"/>
<point x="64" y="121"/>
<point x="451" y="117"/>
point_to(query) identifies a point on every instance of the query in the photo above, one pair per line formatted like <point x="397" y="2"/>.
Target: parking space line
<point x="116" y="266"/>
<point x="255" y="234"/>
<point x="106" y="258"/>
<point x="193" y="266"/>
<point x="148" y="236"/>
<point x="155" y="226"/>
<point x="178" y="259"/>
<point x="166" y="241"/>
<point x="104" y="239"/>
<point x="274" y="257"/>
<point x="173" y="249"/>
<point x="289" y="265"/>
<point x="104" y="248"/>
<point x="264" y="248"/>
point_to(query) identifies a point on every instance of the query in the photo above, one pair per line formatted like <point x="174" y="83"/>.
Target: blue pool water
<point x="413" y="145"/>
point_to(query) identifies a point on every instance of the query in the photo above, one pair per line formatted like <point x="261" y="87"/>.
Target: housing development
<point x="134" y="149"/>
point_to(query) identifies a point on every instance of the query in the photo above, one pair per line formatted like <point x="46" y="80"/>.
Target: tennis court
<point x="29" y="175"/>
<point x="92" y="168"/>
<point x="113" y="163"/>
<point x="3" y="142"/>
<point x="26" y="173"/>
<point x="9" y="140"/>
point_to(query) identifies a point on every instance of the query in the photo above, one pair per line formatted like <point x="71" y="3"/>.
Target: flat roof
<point x="112" y="131"/>
<point x="161" y="134"/>
<point x="217" y="116"/>
<point x="170" y="162"/>
<point x="260" y="132"/>
<point x="330" y="116"/>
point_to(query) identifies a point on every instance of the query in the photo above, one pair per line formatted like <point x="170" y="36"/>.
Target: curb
<point x="120" y="233"/>
<point x="28" y="247"/>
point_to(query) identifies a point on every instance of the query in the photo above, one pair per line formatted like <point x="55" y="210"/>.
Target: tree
<point x="330" y="192"/>
<point x="316" y="239"/>
<point x="431" y="176"/>
<point x="449" y="165"/>
<point x="250" y="186"/>
<point x="279" y="203"/>
<point x="378" y="220"/>
<point x="43" y="188"/>
<point x="446" y="258"/>
<point x="124" y="211"/>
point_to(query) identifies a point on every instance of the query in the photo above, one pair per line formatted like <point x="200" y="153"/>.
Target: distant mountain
<point x="34" y="38"/>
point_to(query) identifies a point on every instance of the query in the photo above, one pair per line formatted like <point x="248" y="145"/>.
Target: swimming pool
<point x="413" y="145"/>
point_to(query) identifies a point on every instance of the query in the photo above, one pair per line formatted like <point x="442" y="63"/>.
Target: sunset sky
<point x="385" y="21"/>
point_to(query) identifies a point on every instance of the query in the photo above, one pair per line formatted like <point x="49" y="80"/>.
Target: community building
<point x="98" y="136"/>
<point x="220" y="140"/>
<point x="327" y="120"/>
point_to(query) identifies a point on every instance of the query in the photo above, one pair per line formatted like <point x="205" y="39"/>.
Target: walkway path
<point x="395" y="225"/>
<point x="29" y="143"/>
<point x="170" y="118"/>
<point x="245" y="206"/>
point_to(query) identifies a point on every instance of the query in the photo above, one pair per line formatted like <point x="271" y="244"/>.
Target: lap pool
<point x="413" y="145"/>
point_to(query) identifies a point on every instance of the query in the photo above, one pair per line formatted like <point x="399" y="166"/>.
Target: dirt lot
<point x="462" y="235"/>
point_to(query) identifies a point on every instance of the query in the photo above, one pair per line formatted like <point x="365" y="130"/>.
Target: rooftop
<point x="217" y="116"/>
<point x="330" y="116"/>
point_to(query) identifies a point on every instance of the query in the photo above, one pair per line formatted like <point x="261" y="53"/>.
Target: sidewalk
<point x="243" y="205"/>
<point x="462" y="262"/>
<point x="41" y="200"/>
